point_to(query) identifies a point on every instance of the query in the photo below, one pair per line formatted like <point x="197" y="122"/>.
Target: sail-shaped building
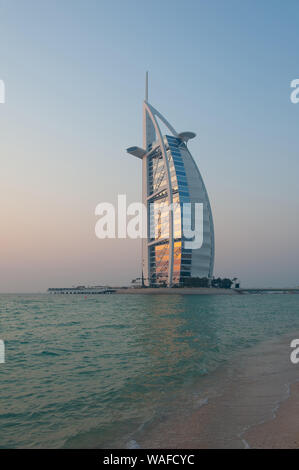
<point x="171" y="178"/>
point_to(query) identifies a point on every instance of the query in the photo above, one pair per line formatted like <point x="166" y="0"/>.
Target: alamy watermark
<point x="2" y="92"/>
<point x="152" y="220"/>
<point x="295" y="93"/>
<point x="295" y="353"/>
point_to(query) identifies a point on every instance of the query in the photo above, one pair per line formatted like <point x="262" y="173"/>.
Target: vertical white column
<point x="145" y="249"/>
<point x="150" y="111"/>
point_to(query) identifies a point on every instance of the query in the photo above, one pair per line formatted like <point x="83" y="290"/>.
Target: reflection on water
<point x="109" y="370"/>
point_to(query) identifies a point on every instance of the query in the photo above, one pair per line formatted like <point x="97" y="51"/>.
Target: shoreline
<point x="252" y="402"/>
<point x="203" y="291"/>
<point x="170" y="291"/>
<point x="177" y="291"/>
<point x="280" y="432"/>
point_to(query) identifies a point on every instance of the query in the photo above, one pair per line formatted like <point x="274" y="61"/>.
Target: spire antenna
<point x="146" y="86"/>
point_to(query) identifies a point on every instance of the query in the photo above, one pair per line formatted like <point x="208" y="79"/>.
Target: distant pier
<point x="80" y="290"/>
<point x="169" y="290"/>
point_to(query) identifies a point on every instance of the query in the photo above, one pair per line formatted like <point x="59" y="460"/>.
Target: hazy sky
<point x="74" y="74"/>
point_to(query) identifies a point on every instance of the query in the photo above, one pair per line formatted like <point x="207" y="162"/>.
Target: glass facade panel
<point x="159" y="256"/>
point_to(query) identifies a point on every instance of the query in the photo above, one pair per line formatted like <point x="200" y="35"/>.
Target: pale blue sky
<point x="74" y="73"/>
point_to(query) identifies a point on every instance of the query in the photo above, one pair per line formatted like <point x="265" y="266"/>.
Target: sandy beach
<point x="281" y="432"/>
<point x="249" y="404"/>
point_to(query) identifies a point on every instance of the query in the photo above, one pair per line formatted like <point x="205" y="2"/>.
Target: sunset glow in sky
<point x="74" y="74"/>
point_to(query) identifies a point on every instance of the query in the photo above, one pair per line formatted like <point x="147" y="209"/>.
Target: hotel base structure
<point x="171" y="178"/>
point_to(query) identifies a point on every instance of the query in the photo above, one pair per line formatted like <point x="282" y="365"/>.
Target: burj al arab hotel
<point x="171" y="177"/>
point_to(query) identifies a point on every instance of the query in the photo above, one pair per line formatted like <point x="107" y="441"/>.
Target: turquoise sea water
<point x="92" y="372"/>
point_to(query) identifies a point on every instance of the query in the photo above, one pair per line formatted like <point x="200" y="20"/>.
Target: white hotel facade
<point x="171" y="177"/>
